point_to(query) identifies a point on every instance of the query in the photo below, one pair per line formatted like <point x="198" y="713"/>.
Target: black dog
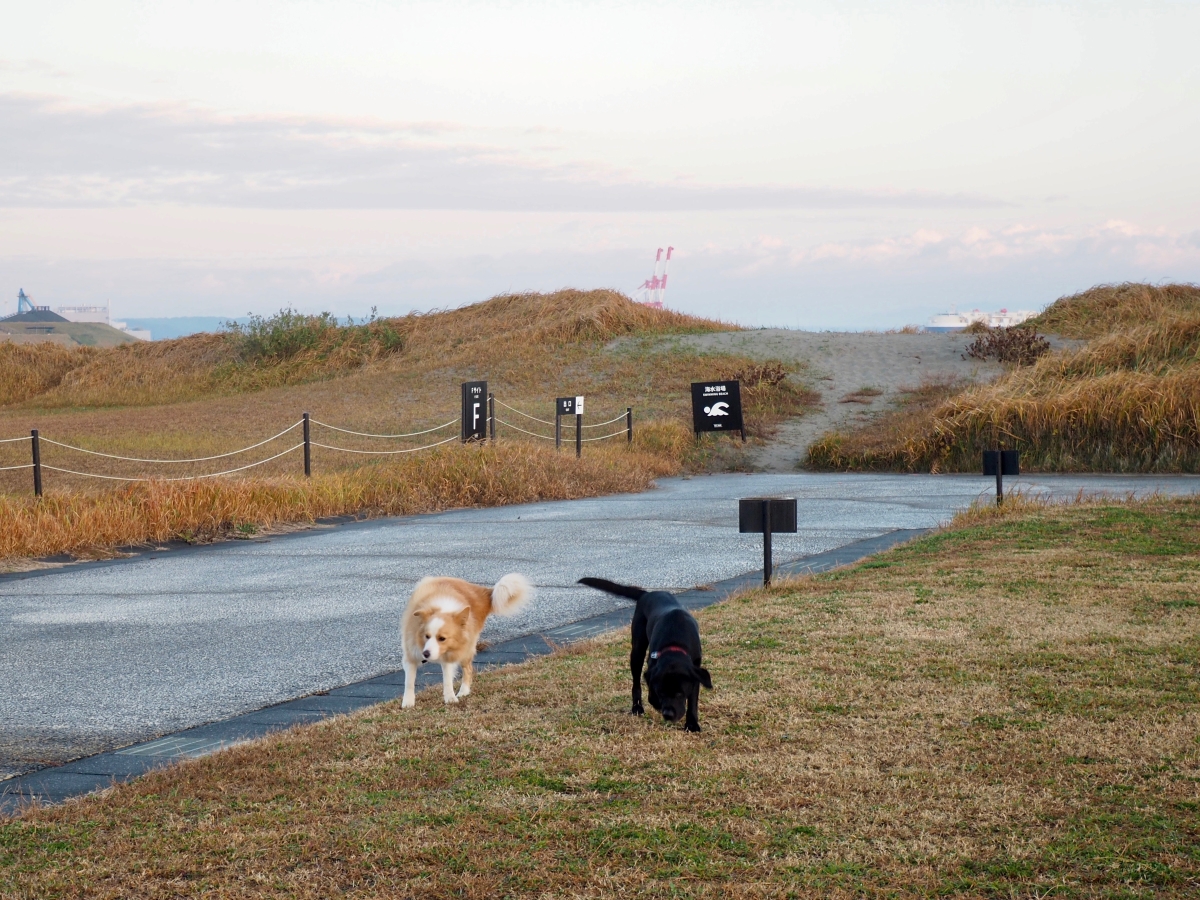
<point x="662" y="626"/>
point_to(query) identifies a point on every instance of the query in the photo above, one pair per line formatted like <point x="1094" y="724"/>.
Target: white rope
<point x="609" y="422"/>
<point x="385" y="452"/>
<point x="519" y="413"/>
<point x="534" y="434"/>
<point x="197" y="459"/>
<point x="365" y="434"/>
<point x="10" y="468"/>
<point x="11" y="440"/>
<point x="184" y="478"/>
<point x="603" y="437"/>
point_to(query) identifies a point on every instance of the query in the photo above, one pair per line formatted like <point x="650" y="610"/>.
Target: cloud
<point x="59" y="155"/>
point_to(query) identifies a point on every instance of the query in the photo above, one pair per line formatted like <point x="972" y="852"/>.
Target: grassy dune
<point x="1008" y="708"/>
<point x="1126" y="401"/>
<point x="210" y="394"/>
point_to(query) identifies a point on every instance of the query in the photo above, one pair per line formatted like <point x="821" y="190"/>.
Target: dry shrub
<point x="448" y="477"/>
<point x="1020" y="346"/>
<point x="1128" y="401"/>
<point x="758" y="375"/>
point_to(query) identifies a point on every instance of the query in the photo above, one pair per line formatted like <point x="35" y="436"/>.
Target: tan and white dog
<point x="442" y="623"/>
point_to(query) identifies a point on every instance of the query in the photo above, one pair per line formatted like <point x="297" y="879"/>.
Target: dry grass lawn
<point x="1007" y="708"/>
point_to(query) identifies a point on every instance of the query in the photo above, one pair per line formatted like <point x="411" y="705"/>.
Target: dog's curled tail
<point x="510" y="594"/>
<point x="621" y="590"/>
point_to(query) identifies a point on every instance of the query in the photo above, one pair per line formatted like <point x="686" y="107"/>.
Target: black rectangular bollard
<point x="474" y="411"/>
<point x="37" y="463"/>
<point x="307" y="447"/>
<point x="629" y="424"/>
<point x="563" y="406"/>
<point x="767" y="515"/>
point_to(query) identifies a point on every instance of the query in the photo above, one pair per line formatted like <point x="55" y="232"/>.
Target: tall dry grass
<point x="1127" y="401"/>
<point x="449" y="477"/>
<point x="28" y="370"/>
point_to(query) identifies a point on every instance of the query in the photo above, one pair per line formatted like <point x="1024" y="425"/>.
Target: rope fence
<point x="477" y="432"/>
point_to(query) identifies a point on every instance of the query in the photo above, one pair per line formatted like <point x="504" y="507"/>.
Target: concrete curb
<point x="93" y="773"/>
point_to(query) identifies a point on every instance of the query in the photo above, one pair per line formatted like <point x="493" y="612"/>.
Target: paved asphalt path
<point x="101" y="655"/>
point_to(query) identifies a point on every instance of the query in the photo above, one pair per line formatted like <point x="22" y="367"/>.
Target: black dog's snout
<point x="426" y="654"/>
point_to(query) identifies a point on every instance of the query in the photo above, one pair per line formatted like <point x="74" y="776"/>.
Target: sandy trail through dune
<point x="847" y="368"/>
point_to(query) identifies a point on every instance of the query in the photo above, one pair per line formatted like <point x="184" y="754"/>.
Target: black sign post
<point x="569" y="406"/>
<point x="474" y="411"/>
<point x="717" y="406"/>
<point x="1001" y="463"/>
<point x="767" y="515"/>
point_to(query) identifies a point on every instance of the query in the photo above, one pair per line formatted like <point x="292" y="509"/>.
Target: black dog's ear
<point x="705" y="678"/>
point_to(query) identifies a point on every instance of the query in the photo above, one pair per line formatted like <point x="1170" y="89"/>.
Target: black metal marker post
<point x="578" y="434"/>
<point x="766" y="514"/>
<point x="307" y="448"/>
<point x="629" y="424"/>
<point x="492" y="415"/>
<point x="37" y="463"/>
<point x="1001" y="463"/>
<point x="557" y="431"/>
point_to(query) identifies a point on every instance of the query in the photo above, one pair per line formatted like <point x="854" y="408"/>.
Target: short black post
<point x="492" y="415"/>
<point x="999" y="484"/>
<point x="557" y="431"/>
<point x="37" y="463"/>
<point x="766" y="514"/>
<point x="743" y="435"/>
<point x="578" y="435"/>
<point x="307" y="448"/>
<point x="629" y="424"/>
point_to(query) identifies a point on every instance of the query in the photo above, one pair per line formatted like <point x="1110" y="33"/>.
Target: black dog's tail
<point x="621" y="590"/>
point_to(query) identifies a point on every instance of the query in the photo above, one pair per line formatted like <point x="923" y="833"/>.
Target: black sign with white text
<point x="716" y="406"/>
<point x="569" y="406"/>
<point x="474" y="411"/>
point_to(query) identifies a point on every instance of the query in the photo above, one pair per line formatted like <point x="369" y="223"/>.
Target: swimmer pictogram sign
<point x="717" y="406"/>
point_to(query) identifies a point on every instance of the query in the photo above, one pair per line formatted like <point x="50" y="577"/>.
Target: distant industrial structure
<point x="650" y="292"/>
<point x="956" y="321"/>
<point x="31" y="319"/>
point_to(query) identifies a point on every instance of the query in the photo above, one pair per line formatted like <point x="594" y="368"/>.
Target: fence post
<point x="766" y="514"/>
<point x="492" y="415"/>
<point x="557" y="428"/>
<point x="307" y="448"/>
<point x="578" y="435"/>
<point x="629" y="424"/>
<point x="37" y="463"/>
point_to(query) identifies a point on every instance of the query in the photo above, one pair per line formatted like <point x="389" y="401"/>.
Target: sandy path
<point x="839" y="363"/>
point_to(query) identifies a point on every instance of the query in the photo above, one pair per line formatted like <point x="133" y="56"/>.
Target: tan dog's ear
<point x="422" y="613"/>
<point x="464" y="616"/>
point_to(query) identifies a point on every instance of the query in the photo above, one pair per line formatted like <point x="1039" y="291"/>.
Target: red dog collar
<point x="670" y="648"/>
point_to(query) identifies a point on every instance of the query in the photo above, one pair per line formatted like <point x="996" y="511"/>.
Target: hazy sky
<point x="822" y="165"/>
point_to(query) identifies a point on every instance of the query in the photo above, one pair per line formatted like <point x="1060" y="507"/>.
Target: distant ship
<point x="956" y="321"/>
